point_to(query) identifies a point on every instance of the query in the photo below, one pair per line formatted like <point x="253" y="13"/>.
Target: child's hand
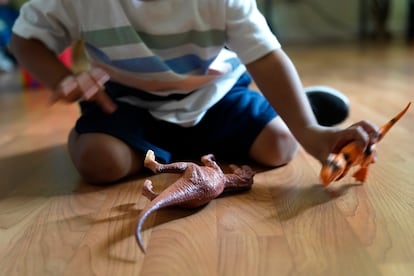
<point x="87" y="86"/>
<point x="363" y="133"/>
<point x="321" y="142"/>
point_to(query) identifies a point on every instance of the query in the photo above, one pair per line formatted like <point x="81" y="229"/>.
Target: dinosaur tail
<point x="154" y="205"/>
<point x="386" y="127"/>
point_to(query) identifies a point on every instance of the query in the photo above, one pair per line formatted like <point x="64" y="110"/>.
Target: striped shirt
<point x="163" y="47"/>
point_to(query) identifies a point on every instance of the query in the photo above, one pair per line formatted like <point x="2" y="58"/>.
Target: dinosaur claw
<point x="149" y="157"/>
<point x="147" y="190"/>
<point x="208" y="158"/>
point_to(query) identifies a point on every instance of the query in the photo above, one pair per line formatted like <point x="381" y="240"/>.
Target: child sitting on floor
<point x="174" y="77"/>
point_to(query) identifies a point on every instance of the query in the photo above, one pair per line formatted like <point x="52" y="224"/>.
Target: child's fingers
<point x="370" y="129"/>
<point x="105" y="102"/>
<point x="362" y="133"/>
<point x="88" y="85"/>
<point x="67" y="90"/>
<point x="99" y="75"/>
<point x="360" y="136"/>
<point x="67" y="85"/>
<point x="91" y="84"/>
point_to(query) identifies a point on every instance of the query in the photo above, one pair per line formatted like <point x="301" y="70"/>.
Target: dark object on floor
<point x="330" y="106"/>
<point x="197" y="186"/>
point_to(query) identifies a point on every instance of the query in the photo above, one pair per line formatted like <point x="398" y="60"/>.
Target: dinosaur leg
<point x="361" y="174"/>
<point x="209" y="161"/>
<point x="147" y="190"/>
<point x="155" y="167"/>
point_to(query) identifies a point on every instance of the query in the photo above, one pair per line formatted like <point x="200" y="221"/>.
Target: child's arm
<point x="41" y="62"/>
<point x="278" y="80"/>
<point x="45" y="66"/>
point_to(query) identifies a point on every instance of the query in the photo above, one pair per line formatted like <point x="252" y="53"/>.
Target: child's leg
<point x="102" y="158"/>
<point x="275" y="145"/>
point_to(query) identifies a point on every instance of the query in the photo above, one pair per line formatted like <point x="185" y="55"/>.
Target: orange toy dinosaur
<point x="337" y="165"/>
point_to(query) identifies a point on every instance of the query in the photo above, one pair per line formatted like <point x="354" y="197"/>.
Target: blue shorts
<point x="227" y="130"/>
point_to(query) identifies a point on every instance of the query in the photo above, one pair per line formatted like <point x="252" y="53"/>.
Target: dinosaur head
<point x="333" y="168"/>
<point x="246" y="175"/>
<point x="241" y="178"/>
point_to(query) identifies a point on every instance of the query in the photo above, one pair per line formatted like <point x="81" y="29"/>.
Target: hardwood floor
<point x="52" y="223"/>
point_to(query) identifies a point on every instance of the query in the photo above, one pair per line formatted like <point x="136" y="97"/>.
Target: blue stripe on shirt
<point x="153" y="64"/>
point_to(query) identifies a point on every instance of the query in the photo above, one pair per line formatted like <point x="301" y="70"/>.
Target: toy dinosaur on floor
<point x="337" y="165"/>
<point x="197" y="186"/>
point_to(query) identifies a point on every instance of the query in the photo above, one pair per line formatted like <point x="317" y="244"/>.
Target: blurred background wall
<point x="315" y="21"/>
<point x="298" y="21"/>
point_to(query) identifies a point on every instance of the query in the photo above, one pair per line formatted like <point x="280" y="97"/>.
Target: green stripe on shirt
<point x="200" y="38"/>
<point x="112" y="37"/>
<point x="127" y="35"/>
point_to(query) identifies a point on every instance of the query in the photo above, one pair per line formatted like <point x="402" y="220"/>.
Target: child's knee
<point x="286" y="148"/>
<point x="97" y="171"/>
<point x="280" y="152"/>
<point x="100" y="161"/>
<point x="275" y="146"/>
